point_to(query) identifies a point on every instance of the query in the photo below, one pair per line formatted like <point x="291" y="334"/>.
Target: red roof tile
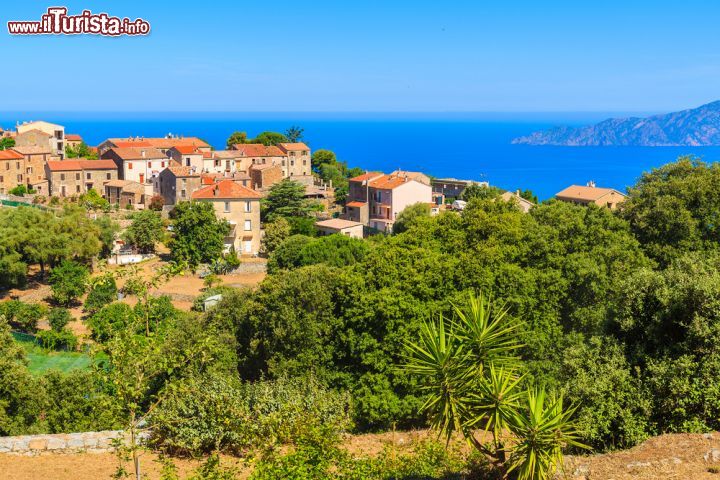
<point x="136" y="153"/>
<point x="225" y="189"/>
<point x="366" y="176"/>
<point x="73" y="137"/>
<point x="10" y="155"/>
<point x="356" y="204"/>
<point x="258" y="150"/>
<point x="80" y="164"/>
<point x="296" y="147"/>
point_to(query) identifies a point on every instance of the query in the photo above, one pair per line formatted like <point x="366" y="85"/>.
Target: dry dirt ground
<point x="676" y="456"/>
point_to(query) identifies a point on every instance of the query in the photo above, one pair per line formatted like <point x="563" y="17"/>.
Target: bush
<point x="58" y="318"/>
<point x="110" y="319"/>
<point x="58" y="340"/>
<point x="221" y="414"/>
<point x="68" y="282"/>
<point x="22" y="316"/>
<point x="156" y="203"/>
<point x="102" y="293"/>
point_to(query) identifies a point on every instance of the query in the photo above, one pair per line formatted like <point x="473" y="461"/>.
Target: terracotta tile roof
<point x="585" y="194"/>
<point x="182" y="171"/>
<point x="33" y="149"/>
<point x="258" y="150"/>
<point x="388" y="182"/>
<point x="136" y="153"/>
<point x="295" y="147"/>
<point x="337" y="224"/>
<point x="225" y="189"/>
<point x="36" y="131"/>
<point x="165" y="143"/>
<point x="129" y="144"/>
<point x="366" y="176"/>
<point x="226" y="154"/>
<point x="263" y="166"/>
<point x="80" y="164"/>
<point x="10" y="155"/>
<point x="126" y="186"/>
<point x="356" y="204"/>
<point x="73" y="137"/>
<point x="186" y="149"/>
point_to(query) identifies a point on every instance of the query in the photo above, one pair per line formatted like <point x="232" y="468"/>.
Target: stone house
<point x="35" y="159"/>
<point x="258" y="154"/>
<point x="77" y="176"/>
<point x="176" y="184"/>
<point x="263" y="176"/>
<point x="42" y="134"/>
<point x="298" y="159"/>
<point x="124" y="193"/>
<point x="163" y="144"/>
<point x="240" y="206"/>
<point x="73" y="140"/>
<point x="12" y="170"/>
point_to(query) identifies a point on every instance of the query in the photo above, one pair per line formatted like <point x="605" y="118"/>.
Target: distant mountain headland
<point x="697" y="127"/>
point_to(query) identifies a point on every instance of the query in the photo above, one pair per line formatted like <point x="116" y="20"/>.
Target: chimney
<point x="142" y="153"/>
<point x="517" y="192"/>
<point x="216" y="190"/>
<point x="591" y="184"/>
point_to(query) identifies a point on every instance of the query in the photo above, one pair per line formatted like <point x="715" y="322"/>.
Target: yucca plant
<point x="472" y="377"/>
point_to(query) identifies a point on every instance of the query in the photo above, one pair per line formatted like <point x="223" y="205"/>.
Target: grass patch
<point x="41" y="360"/>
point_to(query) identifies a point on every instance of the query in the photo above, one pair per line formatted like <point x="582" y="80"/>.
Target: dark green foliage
<point x="480" y="192"/>
<point x="294" y="134"/>
<point x="145" y="231"/>
<point x="58" y="339"/>
<point x="411" y="215"/>
<point x="7" y="143"/>
<point x="58" y="318"/>
<point x="21" y="190"/>
<point x="276" y="232"/>
<point x="109" y="320"/>
<point x="286" y="199"/>
<point x="13" y="271"/>
<point x="269" y="138"/>
<point x="102" y="292"/>
<point x="22" y="316"/>
<point x="199" y="234"/>
<point x="236" y="138"/>
<point x="80" y="151"/>
<point x="68" y="282"/>
<point x="108" y="229"/>
<point x="332" y="250"/>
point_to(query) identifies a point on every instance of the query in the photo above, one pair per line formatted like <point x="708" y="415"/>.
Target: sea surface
<point x="466" y="146"/>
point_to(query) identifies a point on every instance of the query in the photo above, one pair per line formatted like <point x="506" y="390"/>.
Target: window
<point x="129" y="165"/>
<point x="227" y="207"/>
<point x="77" y="176"/>
<point x="187" y="161"/>
<point x="62" y="177"/>
<point x="108" y="176"/>
<point x="29" y="170"/>
<point x="248" y="225"/>
<point x="149" y="164"/>
<point x="292" y="154"/>
<point x="7" y="165"/>
<point x="88" y="175"/>
<point x="2" y="179"/>
<point x="304" y="162"/>
<point x="17" y="165"/>
<point x="182" y="193"/>
<point x="248" y="207"/>
<point x="77" y="188"/>
<point x="292" y="163"/>
<point x="283" y="162"/>
<point x="19" y="178"/>
<point x="304" y="153"/>
<point x="162" y="164"/>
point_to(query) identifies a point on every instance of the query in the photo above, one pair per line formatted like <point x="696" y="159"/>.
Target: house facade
<point x="264" y="176"/>
<point x="124" y="193"/>
<point x="342" y="227"/>
<point x="240" y="206"/>
<point x="42" y="134"/>
<point x="375" y="199"/>
<point x="163" y="144"/>
<point x="138" y="164"/>
<point x="78" y="176"/>
<point x="177" y="183"/>
<point x="12" y="170"/>
<point x="452" y="188"/>
<point x="298" y="161"/>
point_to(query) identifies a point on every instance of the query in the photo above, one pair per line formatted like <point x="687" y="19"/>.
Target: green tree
<point x="7" y="143"/>
<point x="276" y="232"/>
<point x="68" y="281"/>
<point x="80" y="151"/>
<point x="269" y="138"/>
<point x="103" y="290"/>
<point x="323" y="157"/>
<point x="93" y="201"/>
<point x="145" y="231"/>
<point x="199" y="234"/>
<point x="286" y="199"/>
<point x="294" y="134"/>
<point x="156" y="203"/>
<point x="108" y="229"/>
<point x="480" y="192"/>
<point x="236" y="138"/>
<point x="411" y="215"/>
<point x="58" y="318"/>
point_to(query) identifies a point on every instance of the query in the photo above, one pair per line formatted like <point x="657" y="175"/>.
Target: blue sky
<point x="370" y="55"/>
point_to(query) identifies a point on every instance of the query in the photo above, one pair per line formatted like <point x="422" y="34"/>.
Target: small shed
<point x="343" y="227"/>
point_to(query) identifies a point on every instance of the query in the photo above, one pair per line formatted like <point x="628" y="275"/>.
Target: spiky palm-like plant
<point x="472" y="378"/>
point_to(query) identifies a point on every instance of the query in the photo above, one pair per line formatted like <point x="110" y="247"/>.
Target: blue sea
<point x="467" y="146"/>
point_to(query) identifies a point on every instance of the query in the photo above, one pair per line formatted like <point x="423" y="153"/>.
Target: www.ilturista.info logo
<point x="57" y="22"/>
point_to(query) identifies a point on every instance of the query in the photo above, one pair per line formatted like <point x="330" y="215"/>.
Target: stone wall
<point x="92" y="442"/>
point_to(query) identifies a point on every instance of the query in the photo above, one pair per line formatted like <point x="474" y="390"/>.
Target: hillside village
<point x="130" y="173"/>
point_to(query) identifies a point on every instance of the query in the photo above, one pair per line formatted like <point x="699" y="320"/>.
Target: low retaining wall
<point x="92" y="442"/>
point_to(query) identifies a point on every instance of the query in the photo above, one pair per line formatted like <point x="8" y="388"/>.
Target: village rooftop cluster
<point x="130" y="171"/>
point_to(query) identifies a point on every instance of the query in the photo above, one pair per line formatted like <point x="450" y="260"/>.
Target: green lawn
<point x="41" y="360"/>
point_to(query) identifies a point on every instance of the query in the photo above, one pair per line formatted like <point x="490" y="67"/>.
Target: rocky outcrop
<point x="698" y="127"/>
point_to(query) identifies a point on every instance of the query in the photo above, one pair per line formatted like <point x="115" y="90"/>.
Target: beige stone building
<point x="124" y="193"/>
<point x="176" y="184"/>
<point x="35" y="159"/>
<point x="73" y="140"/>
<point x="585" y="195"/>
<point x="341" y="227"/>
<point x="298" y="159"/>
<point x="50" y="134"/>
<point x="138" y="164"/>
<point x="77" y="176"/>
<point x="263" y="177"/>
<point x="240" y="206"/>
<point x="12" y="170"/>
